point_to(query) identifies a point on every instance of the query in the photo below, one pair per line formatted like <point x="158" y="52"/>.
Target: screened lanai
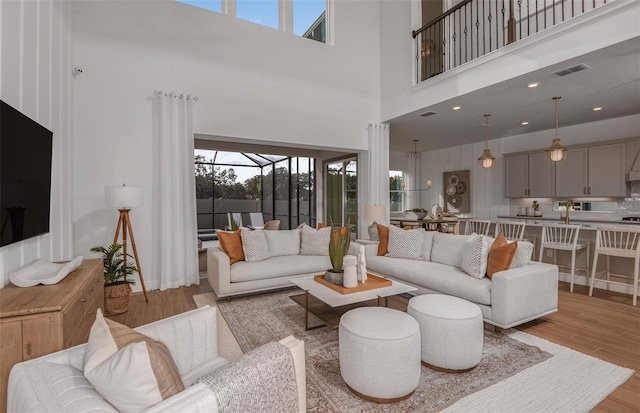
<point x="280" y="187"/>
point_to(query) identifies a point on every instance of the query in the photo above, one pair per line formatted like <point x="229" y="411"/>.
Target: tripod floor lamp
<point x="124" y="198"/>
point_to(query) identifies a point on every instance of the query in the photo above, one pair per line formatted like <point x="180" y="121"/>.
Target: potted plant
<point x="339" y="242"/>
<point x="117" y="288"/>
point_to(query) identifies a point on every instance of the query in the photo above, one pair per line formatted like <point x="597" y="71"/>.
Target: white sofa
<point x="284" y="262"/>
<point x="55" y="382"/>
<point x="509" y="298"/>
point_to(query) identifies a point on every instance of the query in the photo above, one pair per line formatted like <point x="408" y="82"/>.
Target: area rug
<point x="518" y="372"/>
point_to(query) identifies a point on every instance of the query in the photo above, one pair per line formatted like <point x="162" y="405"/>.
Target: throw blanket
<point x="263" y="380"/>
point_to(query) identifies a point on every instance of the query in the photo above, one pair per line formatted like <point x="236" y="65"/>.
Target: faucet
<point x="566" y="216"/>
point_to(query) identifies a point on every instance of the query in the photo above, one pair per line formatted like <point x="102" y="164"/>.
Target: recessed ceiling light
<point x="525" y="123"/>
<point x="533" y="84"/>
<point x="457" y="107"/>
<point x="597" y="108"/>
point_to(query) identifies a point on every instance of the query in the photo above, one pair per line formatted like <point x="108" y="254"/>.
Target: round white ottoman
<point x="451" y="329"/>
<point x="379" y="353"/>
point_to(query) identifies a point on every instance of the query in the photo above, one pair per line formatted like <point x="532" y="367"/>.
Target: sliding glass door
<point x="341" y="178"/>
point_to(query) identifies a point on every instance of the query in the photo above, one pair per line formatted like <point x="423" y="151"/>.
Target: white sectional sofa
<point x="511" y="297"/>
<point x="289" y="256"/>
<point x="55" y="382"/>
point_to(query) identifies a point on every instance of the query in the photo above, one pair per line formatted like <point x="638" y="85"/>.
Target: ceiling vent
<point x="569" y="70"/>
<point x="425" y="114"/>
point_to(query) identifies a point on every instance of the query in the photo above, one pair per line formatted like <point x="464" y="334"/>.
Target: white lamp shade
<point x="374" y="213"/>
<point x="123" y="196"/>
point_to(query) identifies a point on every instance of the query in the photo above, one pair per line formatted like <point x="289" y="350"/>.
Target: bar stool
<point x="479" y="226"/>
<point x="512" y="231"/>
<point x="617" y="242"/>
<point x="565" y="238"/>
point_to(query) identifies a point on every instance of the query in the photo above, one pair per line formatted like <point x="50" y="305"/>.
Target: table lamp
<point x="374" y="213"/>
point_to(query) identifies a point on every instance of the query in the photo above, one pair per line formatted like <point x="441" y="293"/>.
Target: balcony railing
<point x="474" y="28"/>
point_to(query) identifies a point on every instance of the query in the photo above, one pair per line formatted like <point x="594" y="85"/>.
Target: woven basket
<point x="116" y="299"/>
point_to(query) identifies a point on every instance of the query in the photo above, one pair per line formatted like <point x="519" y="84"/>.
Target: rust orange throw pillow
<point x="321" y="225"/>
<point x="231" y="244"/>
<point x="500" y="255"/>
<point x="383" y="234"/>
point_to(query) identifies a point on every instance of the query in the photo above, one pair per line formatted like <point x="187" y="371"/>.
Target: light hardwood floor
<point x="605" y="326"/>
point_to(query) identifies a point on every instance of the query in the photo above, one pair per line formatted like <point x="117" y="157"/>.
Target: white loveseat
<point x="511" y="297"/>
<point x="287" y="258"/>
<point x="55" y="382"/>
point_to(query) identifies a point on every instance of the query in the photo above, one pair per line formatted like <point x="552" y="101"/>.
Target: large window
<point x="396" y="191"/>
<point x="280" y="187"/>
<point x="309" y="17"/>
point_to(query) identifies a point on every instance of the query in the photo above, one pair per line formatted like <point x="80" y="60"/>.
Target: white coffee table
<point x="328" y="305"/>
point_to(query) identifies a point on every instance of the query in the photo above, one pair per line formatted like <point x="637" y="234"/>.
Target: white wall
<point x="252" y="82"/>
<point x="35" y="76"/>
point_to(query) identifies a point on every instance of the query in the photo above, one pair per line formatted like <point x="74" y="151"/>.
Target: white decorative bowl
<point x="415" y="215"/>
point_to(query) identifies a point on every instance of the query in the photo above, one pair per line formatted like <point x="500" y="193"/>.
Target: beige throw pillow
<point x="315" y="241"/>
<point x="405" y="244"/>
<point x="130" y="370"/>
<point x="254" y="245"/>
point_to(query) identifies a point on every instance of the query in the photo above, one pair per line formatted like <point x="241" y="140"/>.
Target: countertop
<point x="584" y="222"/>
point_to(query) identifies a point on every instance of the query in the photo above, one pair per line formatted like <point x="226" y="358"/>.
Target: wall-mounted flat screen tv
<point x="25" y="176"/>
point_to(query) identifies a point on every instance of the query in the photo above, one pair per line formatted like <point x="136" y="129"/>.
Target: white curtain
<point x="175" y="250"/>
<point x="379" y="166"/>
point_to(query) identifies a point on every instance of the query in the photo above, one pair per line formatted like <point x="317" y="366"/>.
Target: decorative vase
<point x="373" y="232"/>
<point x="334" y="277"/>
<point x="350" y="271"/>
<point x="116" y="299"/>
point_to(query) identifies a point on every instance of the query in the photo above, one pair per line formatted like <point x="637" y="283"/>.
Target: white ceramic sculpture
<point x="350" y="271"/>
<point x="362" y="265"/>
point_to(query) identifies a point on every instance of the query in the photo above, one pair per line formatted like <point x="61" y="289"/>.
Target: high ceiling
<point x="612" y="82"/>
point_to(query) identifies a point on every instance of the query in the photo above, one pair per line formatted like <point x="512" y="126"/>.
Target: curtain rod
<point x="176" y="95"/>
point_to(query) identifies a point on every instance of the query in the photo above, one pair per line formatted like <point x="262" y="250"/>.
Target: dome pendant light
<point x="556" y="152"/>
<point x="486" y="160"/>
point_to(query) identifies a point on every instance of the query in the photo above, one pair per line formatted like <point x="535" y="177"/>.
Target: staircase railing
<point x="474" y="28"/>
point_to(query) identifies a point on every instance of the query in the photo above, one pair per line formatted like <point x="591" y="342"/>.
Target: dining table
<point x="429" y="223"/>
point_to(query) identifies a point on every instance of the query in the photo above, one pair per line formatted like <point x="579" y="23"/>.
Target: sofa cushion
<point x="314" y="241"/>
<point x="500" y="255"/>
<point x="231" y="244"/>
<point x="117" y="355"/>
<point x="285" y="266"/>
<point x="524" y="251"/>
<point x="474" y="256"/>
<point x="283" y="242"/>
<point x="434" y="276"/>
<point x="523" y="254"/>
<point x="254" y="244"/>
<point x="405" y="244"/>
<point x="447" y="248"/>
<point x="63" y="387"/>
<point x="427" y="245"/>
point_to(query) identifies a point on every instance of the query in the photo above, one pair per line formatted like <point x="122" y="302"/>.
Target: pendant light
<point x="556" y="152"/>
<point x="486" y="160"/>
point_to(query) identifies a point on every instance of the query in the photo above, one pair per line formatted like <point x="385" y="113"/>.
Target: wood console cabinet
<point x="39" y="320"/>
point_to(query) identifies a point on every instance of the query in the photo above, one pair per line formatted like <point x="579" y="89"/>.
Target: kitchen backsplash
<point x="629" y="206"/>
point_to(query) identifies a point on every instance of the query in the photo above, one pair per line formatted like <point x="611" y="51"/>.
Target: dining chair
<point x="564" y="238"/>
<point x="621" y="243"/>
<point x="272" y="225"/>
<point x="512" y="231"/>
<point x="479" y="226"/>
